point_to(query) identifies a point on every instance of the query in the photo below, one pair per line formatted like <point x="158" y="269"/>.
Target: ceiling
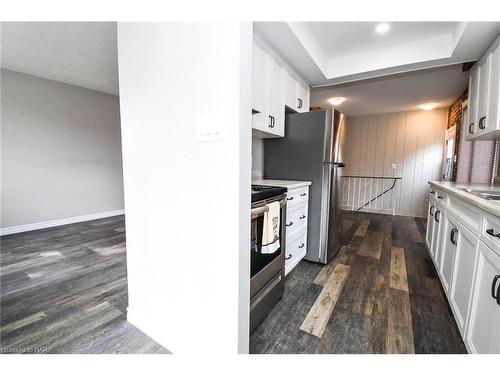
<point x="78" y="53"/>
<point x="338" y="52"/>
<point x="395" y="93"/>
<point x="345" y="38"/>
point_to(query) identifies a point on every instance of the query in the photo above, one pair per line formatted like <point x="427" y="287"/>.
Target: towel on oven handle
<point x="271" y="229"/>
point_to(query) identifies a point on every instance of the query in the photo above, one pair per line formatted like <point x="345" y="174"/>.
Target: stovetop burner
<point x="261" y="192"/>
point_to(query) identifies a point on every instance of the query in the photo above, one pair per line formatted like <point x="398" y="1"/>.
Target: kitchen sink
<point x="493" y="195"/>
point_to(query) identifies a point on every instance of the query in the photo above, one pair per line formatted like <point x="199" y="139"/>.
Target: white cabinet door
<point x="436" y="234"/>
<point x="483" y="332"/>
<point x="259" y="79"/>
<point x="302" y="97"/>
<point x="275" y="99"/>
<point x="483" y="71"/>
<point x="290" y="87"/>
<point x="492" y="123"/>
<point x="259" y="89"/>
<point x="448" y="252"/>
<point x="472" y="106"/>
<point x="463" y="274"/>
<point x="430" y="223"/>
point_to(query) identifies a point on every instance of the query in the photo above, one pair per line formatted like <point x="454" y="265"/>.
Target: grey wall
<point x="61" y="151"/>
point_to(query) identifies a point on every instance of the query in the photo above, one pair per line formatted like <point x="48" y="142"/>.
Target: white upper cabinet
<point x="484" y="91"/>
<point x="275" y="98"/>
<point x="259" y="82"/>
<point x="274" y="86"/>
<point x="296" y="93"/>
<point x="302" y="97"/>
<point x="483" y="334"/>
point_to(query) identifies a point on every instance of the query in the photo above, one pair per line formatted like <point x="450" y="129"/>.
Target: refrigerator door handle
<point x="338" y="164"/>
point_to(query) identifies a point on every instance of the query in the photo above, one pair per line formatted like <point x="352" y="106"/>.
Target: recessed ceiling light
<point x="428" y="106"/>
<point x="336" y="100"/>
<point x="382" y="28"/>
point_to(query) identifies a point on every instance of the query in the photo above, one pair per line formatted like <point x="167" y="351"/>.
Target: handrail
<point x="378" y="196"/>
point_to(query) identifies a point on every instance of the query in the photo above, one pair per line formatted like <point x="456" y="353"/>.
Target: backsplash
<point x="257" y="158"/>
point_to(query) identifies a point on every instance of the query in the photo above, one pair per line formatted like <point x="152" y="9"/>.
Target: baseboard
<point x="58" y="222"/>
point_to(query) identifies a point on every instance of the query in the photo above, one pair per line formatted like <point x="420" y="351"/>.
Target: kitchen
<point x="377" y="155"/>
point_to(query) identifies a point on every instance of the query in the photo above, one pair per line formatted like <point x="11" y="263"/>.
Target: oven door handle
<point x="258" y="211"/>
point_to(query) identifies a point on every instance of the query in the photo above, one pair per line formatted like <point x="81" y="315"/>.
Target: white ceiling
<point x="339" y="52"/>
<point x="402" y="92"/>
<point x="345" y="38"/>
<point x="78" y="53"/>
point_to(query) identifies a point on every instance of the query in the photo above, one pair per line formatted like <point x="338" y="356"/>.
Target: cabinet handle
<point x="302" y="217"/>
<point x="492" y="233"/>
<point x="301" y="246"/>
<point x="299" y="103"/>
<point x="270" y="121"/>
<point x="289" y="199"/>
<point x="436" y="215"/>
<point x="274" y="121"/>
<point x="453" y="232"/>
<point x="288" y="257"/>
<point x="430" y="211"/>
<point x="433" y="192"/>
<point x="303" y="194"/>
<point x="495" y="293"/>
<point x="471" y="128"/>
<point x="290" y="224"/>
<point x="440" y="197"/>
<point x="481" y="122"/>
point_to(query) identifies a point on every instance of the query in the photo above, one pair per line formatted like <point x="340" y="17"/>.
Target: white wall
<point x="188" y="203"/>
<point x="61" y="152"/>
<point x="413" y="141"/>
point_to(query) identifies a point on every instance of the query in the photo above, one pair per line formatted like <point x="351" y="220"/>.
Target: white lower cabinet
<point x="297" y="216"/>
<point x="465" y="247"/>
<point x="483" y="334"/>
<point x="468" y="268"/>
<point x="430" y="223"/>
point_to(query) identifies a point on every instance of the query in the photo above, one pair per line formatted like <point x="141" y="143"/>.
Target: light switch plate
<point x="209" y="127"/>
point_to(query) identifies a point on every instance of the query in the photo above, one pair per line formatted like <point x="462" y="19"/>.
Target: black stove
<point x="260" y="192"/>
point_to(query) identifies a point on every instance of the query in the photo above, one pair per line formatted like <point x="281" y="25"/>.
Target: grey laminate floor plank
<point x="64" y="290"/>
<point x="369" y="316"/>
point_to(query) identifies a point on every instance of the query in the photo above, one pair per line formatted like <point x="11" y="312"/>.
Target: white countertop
<point x="282" y="183"/>
<point x="493" y="207"/>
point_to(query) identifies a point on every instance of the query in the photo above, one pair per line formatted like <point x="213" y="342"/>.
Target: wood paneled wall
<point x="404" y="144"/>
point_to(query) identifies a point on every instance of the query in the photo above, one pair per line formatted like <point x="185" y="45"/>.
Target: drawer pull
<point x="433" y="192"/>
<point x="437" y="215"/>
<point x="430" y="211"/>
<point x="290" y="224"/>
<point x="290" y="198"/>
<point x="453" y="232"/>
<point x="471" y="128"/>
<point x="288" y="257"/>
<point x="303" y="194"/>
<point x="495" y="293"/>
<point x="301" y="246"/>
<point x="302" y="217"/>
<point x="440" y="197"/>
<point x="491" y="233"/>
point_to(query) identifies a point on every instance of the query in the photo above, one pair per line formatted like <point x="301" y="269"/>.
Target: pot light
<point x="428" y="106"/>
<point x="382" y="28"/>
<point x="337" y="100"/>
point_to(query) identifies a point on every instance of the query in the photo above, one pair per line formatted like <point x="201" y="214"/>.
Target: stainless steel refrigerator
<point x="311" y="150"/>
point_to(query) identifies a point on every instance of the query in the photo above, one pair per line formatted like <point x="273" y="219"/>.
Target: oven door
<point x="264" y="267"/>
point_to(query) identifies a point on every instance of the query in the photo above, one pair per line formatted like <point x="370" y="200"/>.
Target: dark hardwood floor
<point x="64" y="290"/>
<point x="381" y="294"/>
